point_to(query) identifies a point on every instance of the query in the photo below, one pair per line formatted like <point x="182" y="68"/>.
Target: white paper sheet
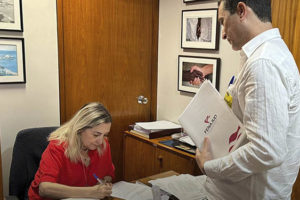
<point x="131" y="191"/>
<point x="184" y="186"/>
<point x="187" y="139"/>
<point x="158" y="125"/>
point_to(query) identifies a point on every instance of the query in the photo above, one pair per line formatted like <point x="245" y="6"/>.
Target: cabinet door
<point x="167" y="160"/>
<point x="138" y="159"/>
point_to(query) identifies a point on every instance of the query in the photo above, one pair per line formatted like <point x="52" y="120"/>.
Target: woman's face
<point x="92" y="138"/>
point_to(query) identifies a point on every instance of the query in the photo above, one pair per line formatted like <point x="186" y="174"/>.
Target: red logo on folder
<point x="234" y="136"/>
<point x="206" y="119"/>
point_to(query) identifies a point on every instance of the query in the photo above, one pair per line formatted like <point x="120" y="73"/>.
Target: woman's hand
<point x="107" y="179"/>
<point x="101" y="191"/>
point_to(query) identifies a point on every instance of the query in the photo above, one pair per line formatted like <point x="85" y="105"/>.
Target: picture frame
<point x="200" y="29"/>
<point x="11" y="15"/>
<point x="12" y="60"/>
<point x="204" y="67"/>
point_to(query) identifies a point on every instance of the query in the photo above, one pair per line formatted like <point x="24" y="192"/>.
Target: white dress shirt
<point x="266" y="98"/>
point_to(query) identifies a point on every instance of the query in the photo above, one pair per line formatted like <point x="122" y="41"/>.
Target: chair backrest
<point x="28" y="148"/>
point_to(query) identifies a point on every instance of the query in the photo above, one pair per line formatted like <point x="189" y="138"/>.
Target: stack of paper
<point x="184" y="186"/>
<point x="208" y="115"/>
<point x="187" y="139"/>
<point x="131" y="191"/>
<point x="156" y="129"/>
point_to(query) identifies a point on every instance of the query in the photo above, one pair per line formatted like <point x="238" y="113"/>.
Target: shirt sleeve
<point x="266" y="123"/>
<point x="51" y="163"/>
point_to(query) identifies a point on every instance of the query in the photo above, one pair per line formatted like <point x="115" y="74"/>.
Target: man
<point x="266" y="98"/>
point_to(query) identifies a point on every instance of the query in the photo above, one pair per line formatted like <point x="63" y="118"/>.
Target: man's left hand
<point x="204" y="155"/>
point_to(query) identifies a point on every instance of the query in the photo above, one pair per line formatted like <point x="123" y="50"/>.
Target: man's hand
<point x="204" y="155"/>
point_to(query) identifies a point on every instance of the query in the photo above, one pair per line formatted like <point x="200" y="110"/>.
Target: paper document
<point x="208" y="115"/>
<point x="155" y="126"/>
<point x="131" y="191"/>
<point x="187" y="139"/>
<point x="183" y="186"/>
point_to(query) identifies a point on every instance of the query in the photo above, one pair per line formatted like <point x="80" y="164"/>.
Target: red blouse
<point x="57" y="168"/>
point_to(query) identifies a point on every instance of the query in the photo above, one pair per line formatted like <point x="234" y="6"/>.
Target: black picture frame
<point x="200" y="29"/>
<point x="12" y="60"/>
<point x="11" y="18"/>
<point x="208" y="65"/>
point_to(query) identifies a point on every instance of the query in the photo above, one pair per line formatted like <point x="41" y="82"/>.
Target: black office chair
<point x="27" y="152"/>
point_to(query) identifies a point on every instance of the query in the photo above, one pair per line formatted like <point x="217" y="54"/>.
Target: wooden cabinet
<point x="145" y="157"/>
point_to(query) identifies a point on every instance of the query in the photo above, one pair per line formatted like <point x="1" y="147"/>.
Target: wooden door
<point x="108" y="53"/>
<point x="286" y="16"/>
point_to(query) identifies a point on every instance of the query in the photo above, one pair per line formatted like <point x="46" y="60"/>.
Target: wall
<point x="35" y="103"/>
<point x="170" y="102"/>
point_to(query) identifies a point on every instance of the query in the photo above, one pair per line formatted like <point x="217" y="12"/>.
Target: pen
<point x="98" y="179"/>
<point x="231" y="81"/>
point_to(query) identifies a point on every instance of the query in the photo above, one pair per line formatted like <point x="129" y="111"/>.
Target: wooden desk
<point x="157" y="176"/>
<point x="144" y="157"/>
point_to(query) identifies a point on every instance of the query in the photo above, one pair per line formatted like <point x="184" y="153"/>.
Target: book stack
<point x="155" y="129"/>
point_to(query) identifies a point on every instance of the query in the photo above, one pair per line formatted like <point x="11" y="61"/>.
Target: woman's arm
<point x="59" y="191"/>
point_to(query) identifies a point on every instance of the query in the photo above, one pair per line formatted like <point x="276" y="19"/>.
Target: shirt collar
<point x="254" y="43"/>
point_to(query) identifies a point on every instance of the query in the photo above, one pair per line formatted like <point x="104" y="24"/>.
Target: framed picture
<point x="192" y="71"/>
<point x="12" y="60"/>
<point x="11" y="15"/>
<point x="200" y="29"/>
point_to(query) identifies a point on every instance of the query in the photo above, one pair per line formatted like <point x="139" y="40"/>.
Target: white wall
<point x="35" y="103"/>
<point x="170" y="102"/>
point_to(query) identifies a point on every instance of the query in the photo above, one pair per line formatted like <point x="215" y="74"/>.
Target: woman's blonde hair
<point x="89" y="116"/>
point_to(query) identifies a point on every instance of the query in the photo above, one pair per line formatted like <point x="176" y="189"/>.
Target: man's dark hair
<point x="262" y="8"/>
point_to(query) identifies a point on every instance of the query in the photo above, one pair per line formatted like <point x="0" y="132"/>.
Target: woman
<point x="78" y="152"/>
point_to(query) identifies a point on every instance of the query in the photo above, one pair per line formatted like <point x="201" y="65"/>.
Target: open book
<point x="208" y="115"/>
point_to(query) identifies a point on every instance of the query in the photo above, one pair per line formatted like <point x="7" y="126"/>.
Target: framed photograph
<point x="12" y="60"/>
<point x="11" y="15"/>
<point x="200" y="29"/>
<point x="192" y="71"/>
